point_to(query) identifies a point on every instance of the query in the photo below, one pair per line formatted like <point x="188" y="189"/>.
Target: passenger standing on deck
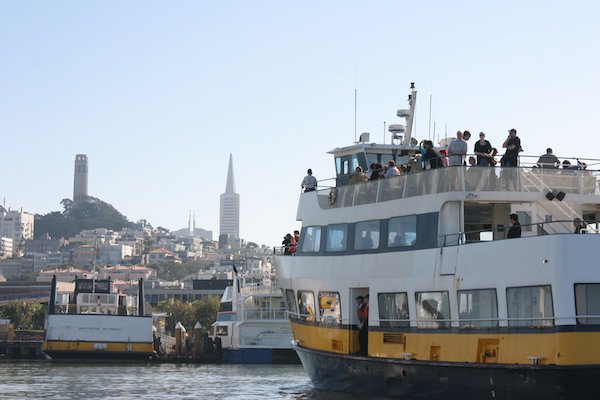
<point x="457" y="150"/>
<point x="288" y="242"/>
<point x="483" y="151"/>
<point x="512" y="144"/>
<point x="297" y="237"/>
<point x="515" y="227"/>
<point x="363" y="324"/>
<point x="309" y="183"/>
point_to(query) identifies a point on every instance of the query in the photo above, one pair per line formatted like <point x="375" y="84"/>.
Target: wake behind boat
<point x="456" y="310"/>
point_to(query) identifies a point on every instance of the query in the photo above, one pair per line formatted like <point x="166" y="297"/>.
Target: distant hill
<point x="90" y="213"/>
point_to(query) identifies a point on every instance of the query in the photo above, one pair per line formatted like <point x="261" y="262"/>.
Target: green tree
<point x="203" y="311"/>
<point x="24" y="315"/>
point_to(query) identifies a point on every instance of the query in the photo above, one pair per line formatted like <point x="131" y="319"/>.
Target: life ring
<point x="332" y="196"/>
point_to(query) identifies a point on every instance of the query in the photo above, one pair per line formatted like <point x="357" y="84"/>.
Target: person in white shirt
<point x="309" y="183"/>
<point x="457" y="150"/>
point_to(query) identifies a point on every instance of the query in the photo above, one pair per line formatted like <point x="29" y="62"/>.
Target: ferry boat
<point x="97" y="323"/>
<point x="456" y="310"/>
<point x="252" y="325"/>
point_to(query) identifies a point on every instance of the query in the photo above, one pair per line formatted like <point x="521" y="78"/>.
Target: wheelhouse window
<point x="306" y="305"/>
<point x="402" y="231"/>
<point x="329" y="307"/>
<point x="587" y="303"/>
<point x="311" y="242"/>
<point x="337" y="237"/>
<point x="433" y="309"/>
<point x="530" y="306"/>
<point x="291" y="301"/>
<point x="221" y="330"/>
<point x="366" y="235"/>
<point x="478" y="308"/>
<point x="393" y="310"/>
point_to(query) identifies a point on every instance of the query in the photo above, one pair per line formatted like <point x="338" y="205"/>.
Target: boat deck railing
<point x="266" y="339"/>
<point x="265" y="314"/>
<point x="462" y="323"/>
<point x="565" y="226"/>
<point x="462" y="179"/>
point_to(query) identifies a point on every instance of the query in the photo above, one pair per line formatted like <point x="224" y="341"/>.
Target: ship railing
<point x="565" y="226"/>
<point x="525" y="178"/>
<point x="462" y="323"/>
<point x="261" y="314"/>
<point x="266" y="339"/>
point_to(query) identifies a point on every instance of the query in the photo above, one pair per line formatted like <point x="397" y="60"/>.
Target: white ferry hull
<point x="98" y="337"/>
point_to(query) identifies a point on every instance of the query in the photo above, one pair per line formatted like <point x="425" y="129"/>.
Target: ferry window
<point x="366" y="235"/>
<point x="393" y="310"/>
<point x="337" y="237"/>
<point x="291" y="301"/>
<point x="306" y="304"/>
<point x="587" y="303"/>
<point x="402" y="231"/>
<point x="528" y="306"/>
<point x="221" y="330"/>
<point x="329" y="307"/>
<point x="346" y="164"/>
<point x="477" y="308"/>
<point x="433" y="309"/>
<point x="311" y="242"/>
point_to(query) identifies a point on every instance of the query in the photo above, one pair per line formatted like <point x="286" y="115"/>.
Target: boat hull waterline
<point x="443" y="380"/>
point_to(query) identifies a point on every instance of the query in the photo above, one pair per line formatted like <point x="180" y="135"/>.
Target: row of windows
<point x="366" y="235"/>
<point x="529" y="306"/>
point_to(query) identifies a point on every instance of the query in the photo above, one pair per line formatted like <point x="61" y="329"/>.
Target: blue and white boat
<point x="252" y="324"/>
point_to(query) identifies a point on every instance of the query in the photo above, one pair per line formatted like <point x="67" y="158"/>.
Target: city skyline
<point x="159" y="94"/>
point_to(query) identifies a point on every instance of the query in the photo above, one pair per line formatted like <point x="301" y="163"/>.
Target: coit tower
<point x="80" y="181"/>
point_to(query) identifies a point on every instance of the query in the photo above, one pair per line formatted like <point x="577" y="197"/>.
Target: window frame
<point x="536" y="322"/>
<point x="466" y="323"/>
<point x="396" y="322"/>
<point x="434" y="323"/>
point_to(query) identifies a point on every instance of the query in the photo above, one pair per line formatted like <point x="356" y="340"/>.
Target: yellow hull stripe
<point x="115" y="347"/>
<point x="560" y="348"/>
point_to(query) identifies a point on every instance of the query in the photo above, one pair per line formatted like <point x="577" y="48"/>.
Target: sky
<point x="158" y="94"/>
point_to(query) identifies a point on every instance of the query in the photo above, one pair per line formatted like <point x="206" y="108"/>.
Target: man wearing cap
<point x="363" y="324"/>
<point x="512" y="144"/>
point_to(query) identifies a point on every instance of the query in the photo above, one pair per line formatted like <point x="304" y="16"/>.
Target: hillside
<point x="89" y="214"/>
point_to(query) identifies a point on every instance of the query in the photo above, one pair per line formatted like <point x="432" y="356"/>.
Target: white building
<point x="18" y="226"/>
<point x="6" y="248"/>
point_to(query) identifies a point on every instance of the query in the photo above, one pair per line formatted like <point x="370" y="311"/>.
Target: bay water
<point x="48" y="380"/>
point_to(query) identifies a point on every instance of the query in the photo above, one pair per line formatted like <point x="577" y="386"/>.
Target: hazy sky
<point x="158" y="93"/>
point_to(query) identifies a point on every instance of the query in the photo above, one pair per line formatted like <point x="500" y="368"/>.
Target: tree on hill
<point x="77" y="216"/>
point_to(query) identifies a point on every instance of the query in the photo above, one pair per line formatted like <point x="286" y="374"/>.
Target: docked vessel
<point x="96" y="323"/>
<point x="456" y="310"/>
<point x="252" y="325"/>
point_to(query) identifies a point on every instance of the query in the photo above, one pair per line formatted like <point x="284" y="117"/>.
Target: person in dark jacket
<point x="515" y="227"/>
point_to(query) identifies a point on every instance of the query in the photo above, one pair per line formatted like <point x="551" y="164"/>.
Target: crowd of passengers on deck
<point x="456" y="155"/>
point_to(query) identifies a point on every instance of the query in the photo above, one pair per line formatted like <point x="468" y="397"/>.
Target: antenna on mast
<point x="383" y="132"/>
<point x="355" y="106"/>
<point x="430" y="100"/>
